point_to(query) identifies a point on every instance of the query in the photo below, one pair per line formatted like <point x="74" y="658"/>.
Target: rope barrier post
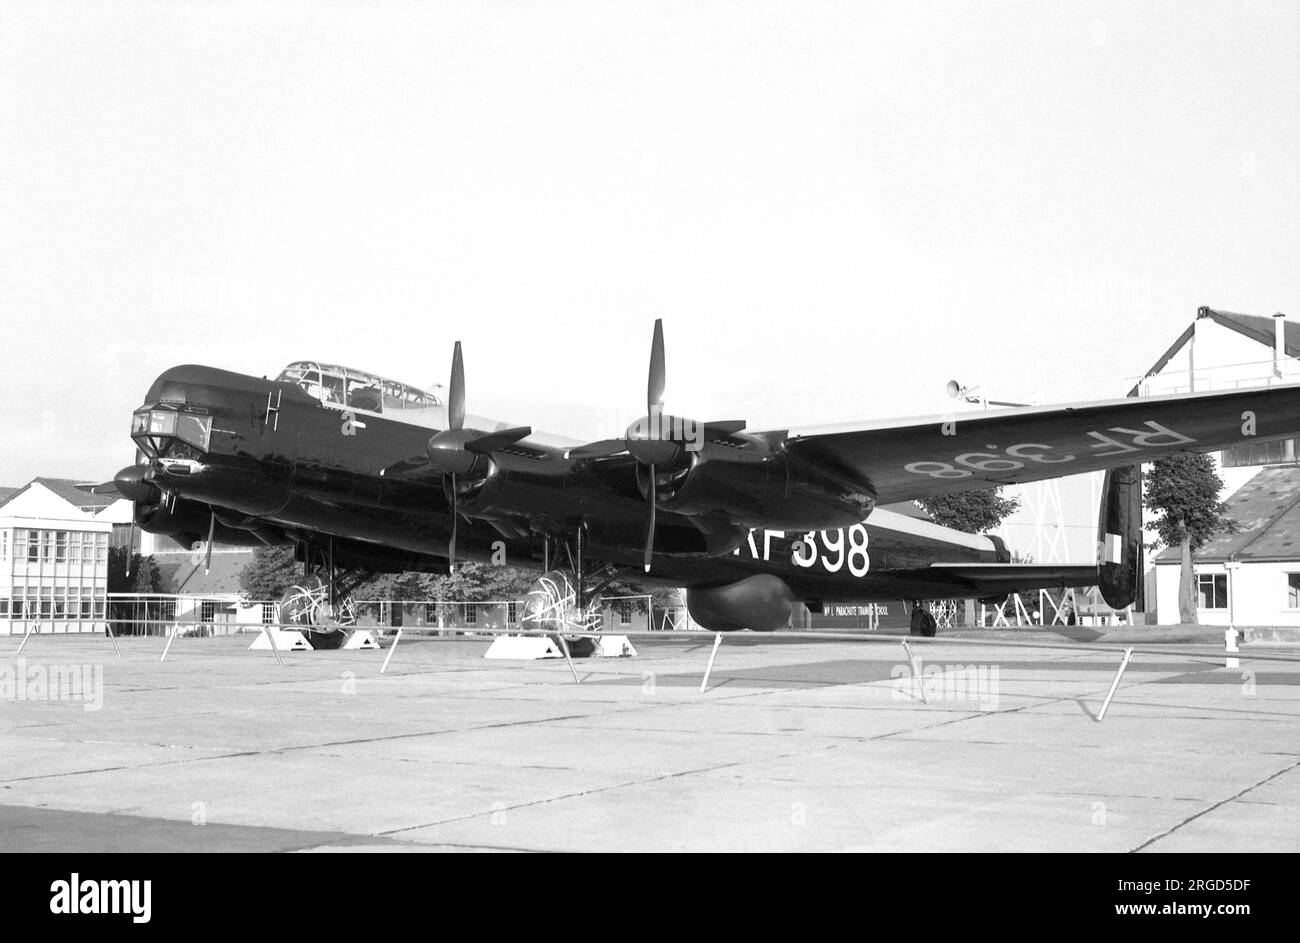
<point x="717" y="640"/>
<point x="391" y="648"/>
<point x="171" y="637"/>
<point x="564" y="647"/>
<point x="25" y="638"/>
<point x="1128" y="654"/>
<point x="916" y="672"/>
<point x="270" y="639"/>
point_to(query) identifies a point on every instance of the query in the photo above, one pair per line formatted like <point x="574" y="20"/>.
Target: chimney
<point x="1279" y="342"/>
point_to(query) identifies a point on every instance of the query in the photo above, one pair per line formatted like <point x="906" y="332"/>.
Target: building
<point x="1251" y="577"/>
<point x="1222" y="350"/>
<point x="53" y="559"/>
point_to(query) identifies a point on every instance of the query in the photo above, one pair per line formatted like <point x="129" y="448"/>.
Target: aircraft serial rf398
<point x="366" y="474"/>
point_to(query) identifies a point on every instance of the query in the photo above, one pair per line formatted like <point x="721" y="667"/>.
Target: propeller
<point x="656" y="440"/>
<point x="212" y="532"/>
<point x="456" y="452"/>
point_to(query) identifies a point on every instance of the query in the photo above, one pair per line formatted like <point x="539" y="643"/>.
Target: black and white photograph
<point x="699" y="426"/>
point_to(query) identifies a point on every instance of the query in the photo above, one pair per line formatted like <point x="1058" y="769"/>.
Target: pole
<point x="392" y="648"/>
<point x="564" y="647"/>
<point x="717" y="640"/>
<point x="1128" y="653"/>
<point x="916" y="672"/>
<point x="270" y="639"/>
<point x="171" y="637"/>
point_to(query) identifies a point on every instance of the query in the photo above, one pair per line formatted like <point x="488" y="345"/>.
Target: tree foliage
<point x="974" y="512"/>
<point x="1183" y="491"/>
<point x="270" y="573"/>
<point x="144" y="576"/>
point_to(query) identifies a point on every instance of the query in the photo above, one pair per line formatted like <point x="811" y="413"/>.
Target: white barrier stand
<point x="361" y="638"/>
<point x="1230" y="646"/>
<point x="614" y="646"/>
<point x="285" y="640"/>
<point x="522" y="648"/>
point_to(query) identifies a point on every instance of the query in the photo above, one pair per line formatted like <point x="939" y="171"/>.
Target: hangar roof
<point x="1267" y="509"/>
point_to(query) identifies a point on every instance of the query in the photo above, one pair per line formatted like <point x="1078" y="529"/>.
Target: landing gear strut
<point x="564" y="603"/>
<point x="320" y="603"/>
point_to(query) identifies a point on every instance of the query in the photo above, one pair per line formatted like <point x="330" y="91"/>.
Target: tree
<point x="268" y="576"/>
<point x="1183" y="490"/>
<point x="974" y="512"/>
<point x="142" y="577"/>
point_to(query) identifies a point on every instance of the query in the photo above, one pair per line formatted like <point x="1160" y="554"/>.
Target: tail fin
<point x="1119" y="538"/>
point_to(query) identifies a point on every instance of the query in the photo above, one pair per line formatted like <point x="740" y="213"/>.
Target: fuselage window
<point x="364" y="394"/>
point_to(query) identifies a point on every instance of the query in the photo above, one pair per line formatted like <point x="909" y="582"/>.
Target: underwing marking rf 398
<point x="1158" y="436"/>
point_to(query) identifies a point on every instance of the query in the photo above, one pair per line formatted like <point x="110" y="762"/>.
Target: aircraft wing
<point x="995" y="579"/>
<point x="918" y="458"/>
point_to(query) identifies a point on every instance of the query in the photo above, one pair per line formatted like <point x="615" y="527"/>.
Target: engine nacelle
<point x="188" y="521"/>
<point x="762" y="603"/>
<point x="780" y="492"/>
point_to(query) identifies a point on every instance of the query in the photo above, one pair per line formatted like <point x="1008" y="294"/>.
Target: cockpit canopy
<point x="346" y="388"/>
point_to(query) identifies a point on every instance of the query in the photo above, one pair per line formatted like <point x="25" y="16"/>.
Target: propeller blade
<point x="652" y="496"/>
<point x="600" y="449"/>
<point x="207" y="557"/>
<point x="655" y="387"/>
<point x="492" y="441"/>
<point x="130" y="543"/>
<point x="451" y="541"/>
<point x="725" y="427"/>
<point x="456" y="392"/>
<point x="108" y="488"/>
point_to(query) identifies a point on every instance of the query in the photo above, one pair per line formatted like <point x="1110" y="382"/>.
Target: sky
<point x="835" y="207"/>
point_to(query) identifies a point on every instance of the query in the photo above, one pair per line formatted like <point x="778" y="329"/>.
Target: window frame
<point x="1214" y="579"/>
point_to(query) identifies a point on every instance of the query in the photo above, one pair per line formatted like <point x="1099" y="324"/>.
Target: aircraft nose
<point x="135" y="482"/>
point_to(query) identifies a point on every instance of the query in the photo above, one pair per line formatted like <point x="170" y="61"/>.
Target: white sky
<point x="835" y="207"/>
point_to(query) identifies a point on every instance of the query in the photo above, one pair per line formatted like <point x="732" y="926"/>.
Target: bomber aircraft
<point x="367" y="474"/>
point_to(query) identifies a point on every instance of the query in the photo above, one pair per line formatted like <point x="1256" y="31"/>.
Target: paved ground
<point x="796" y="746"/>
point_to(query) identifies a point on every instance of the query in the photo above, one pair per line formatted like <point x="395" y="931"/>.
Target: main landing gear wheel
<point x="923" y="623"/>
<point x="307" y="608"/>
<point x="552" y="606"/>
